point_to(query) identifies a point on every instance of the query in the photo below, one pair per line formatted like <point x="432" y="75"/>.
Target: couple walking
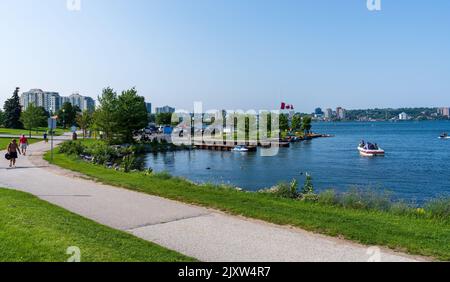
<point x="13" y="150"/>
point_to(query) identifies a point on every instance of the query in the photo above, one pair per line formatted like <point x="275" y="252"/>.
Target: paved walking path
<point x="198" y="232"/>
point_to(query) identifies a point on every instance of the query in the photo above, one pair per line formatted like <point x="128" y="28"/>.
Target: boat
<point x="370" y="150"/>
<point x="240" y="149"/>
<point x="444" y="136"/>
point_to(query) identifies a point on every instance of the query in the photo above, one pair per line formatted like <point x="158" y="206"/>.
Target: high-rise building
<point x="328" y="113"/>
<point x="52" y="101"/>
<point x="149" y="108"/>
<point x="88" y="104"/>
<point x="165" y="110"/>
<point x="444" y="111"/>
<point x="340" y="113"/>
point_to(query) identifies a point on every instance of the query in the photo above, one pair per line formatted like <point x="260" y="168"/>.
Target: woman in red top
<point x="23" y="142"/>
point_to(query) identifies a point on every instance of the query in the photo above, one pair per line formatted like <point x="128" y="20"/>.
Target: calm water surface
<point x="416" y="165"/>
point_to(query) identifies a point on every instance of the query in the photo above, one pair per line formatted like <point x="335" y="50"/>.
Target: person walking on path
<point x="23" y="142"/>
<point x="45" y="137"/>
<point x="13" y="149"/>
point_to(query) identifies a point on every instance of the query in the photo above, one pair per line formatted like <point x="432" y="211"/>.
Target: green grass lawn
<point x="416" y="235"/>
<point x="39" y="131"/>
<point x="5" y="141"/>
<point x="33" y="230"/>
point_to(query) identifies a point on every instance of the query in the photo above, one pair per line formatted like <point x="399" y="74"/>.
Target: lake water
<point x="416" y="166"/>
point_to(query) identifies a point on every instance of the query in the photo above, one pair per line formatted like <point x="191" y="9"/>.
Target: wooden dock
<point x="216" y="145"/>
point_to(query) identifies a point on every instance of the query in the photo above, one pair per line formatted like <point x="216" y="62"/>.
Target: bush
<point x="103" y="153"/>
<point x="308" y="188"/>
<point x="73" y="148"/>
<point x="286" y="190"/>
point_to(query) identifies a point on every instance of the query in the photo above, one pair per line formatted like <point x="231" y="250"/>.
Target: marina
<point x="409" y="170"/>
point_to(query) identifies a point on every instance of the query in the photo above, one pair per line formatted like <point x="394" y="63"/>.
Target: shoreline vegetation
<point x="360" y="215"/>
<point x="34" y="230"/>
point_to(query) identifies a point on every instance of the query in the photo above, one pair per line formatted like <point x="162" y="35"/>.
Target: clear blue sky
<point x="233" y="54"/>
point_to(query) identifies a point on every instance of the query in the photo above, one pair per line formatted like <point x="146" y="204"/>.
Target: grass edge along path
<point x="419" y="236"/>
<point x="5" y="141"/>
<point x="36" y="231"/>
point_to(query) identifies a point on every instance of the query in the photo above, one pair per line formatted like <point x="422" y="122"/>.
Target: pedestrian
<point x="45" y="137"/>
<point x="23" y="142"/>
<point x="13" y="149"/>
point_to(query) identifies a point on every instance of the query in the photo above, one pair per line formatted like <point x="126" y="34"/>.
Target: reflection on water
<point x="416" y="165"/>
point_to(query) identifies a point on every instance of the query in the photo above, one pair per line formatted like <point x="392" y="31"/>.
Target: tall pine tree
<point x="13" y="109"/>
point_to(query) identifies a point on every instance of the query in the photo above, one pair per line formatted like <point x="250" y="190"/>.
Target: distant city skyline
<point x="232" y="54"/>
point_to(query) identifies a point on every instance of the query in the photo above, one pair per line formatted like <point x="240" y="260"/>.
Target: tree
<point x="296" y="122"/>
<point x="33" y="117"/>
<point x="306" y="124"/>
<point x="84" y="121"/>
<point x="105" y="117"/>
<point x="67" y="114"/>
<point x="152" y="118"/>
<point x="284" y="122"/>
<point x="13" y="109"/>
<point x="2" y="118"/>
<point x="132" y="114"/>
<point x="164" y="119"/>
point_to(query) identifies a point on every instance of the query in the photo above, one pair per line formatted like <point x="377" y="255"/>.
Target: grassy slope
<point x="422" y="236"/>
<point x="5" y="141"/>
<point x="38" y="131"/>
<point x="34" y="230"/>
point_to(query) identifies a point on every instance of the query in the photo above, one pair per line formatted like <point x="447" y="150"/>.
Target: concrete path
<point x="205" y="234"/>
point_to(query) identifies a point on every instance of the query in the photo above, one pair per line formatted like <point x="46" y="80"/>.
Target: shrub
<point x="72" y="148"/>
<point x="103" y="153"/>
<point x="128" y="163"/>
<point x="286" y="190"/>
<point x="308" y="188"/>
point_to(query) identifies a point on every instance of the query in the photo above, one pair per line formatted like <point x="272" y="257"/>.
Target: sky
<point x="232" y="54"/>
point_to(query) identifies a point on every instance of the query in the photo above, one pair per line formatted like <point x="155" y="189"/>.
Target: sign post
<point x="52" y="127"/>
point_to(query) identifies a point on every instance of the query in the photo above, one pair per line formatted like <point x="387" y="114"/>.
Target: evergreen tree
<point x="13" y="110"/>
<point x="2" y="118"/>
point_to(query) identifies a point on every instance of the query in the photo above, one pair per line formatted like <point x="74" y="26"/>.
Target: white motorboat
<point x="444" y="136"/>
<point x="370" y="150"/>
<point x="241" y="149"/>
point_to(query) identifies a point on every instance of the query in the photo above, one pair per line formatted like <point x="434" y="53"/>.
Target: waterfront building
<point x="403" y="116"/>
<point x="165" y="110"/>
<point x="341" y="113"/>
<point x="52" y="101"/>
<point x="328" y="113"/>
<point x="444" y="111"/>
